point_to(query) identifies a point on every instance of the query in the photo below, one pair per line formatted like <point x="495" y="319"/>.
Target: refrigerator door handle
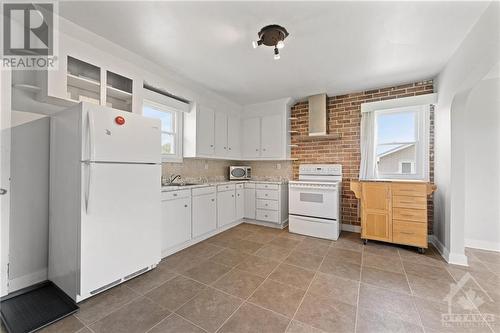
<point x="88" y="185"/>
<point x="91" y="135"/>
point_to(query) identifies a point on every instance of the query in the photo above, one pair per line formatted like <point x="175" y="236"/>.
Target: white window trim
<point x="422" y="144"/>
<point x="177" y="156"/>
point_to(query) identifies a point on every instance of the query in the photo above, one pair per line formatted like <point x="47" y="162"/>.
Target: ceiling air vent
<point x="318" y="115"/>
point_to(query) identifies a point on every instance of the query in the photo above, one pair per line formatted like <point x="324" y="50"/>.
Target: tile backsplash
<point x="196" y="169"/>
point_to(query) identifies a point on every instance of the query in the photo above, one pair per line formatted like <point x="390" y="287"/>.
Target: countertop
<point x="215" y="183"/>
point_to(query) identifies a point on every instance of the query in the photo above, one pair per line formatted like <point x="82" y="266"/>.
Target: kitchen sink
<point x="181" y="184"/>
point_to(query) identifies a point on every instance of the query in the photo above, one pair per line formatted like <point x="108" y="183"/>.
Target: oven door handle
<point x="312" y="187"/>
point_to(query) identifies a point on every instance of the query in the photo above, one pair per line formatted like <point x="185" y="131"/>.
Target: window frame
<point x="177" y="156"/>
<point x="422" y="132"/>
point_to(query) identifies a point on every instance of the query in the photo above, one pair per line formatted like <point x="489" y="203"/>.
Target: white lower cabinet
<point x="226" y="207"/>
<point x="249" y="201"/>
<point x="176" y="221"/>
<point x="204" y="211"/>
<point x="240" y="203"/>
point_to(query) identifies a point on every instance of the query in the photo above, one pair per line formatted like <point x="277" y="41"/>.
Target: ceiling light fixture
<point x="272" y="35"/>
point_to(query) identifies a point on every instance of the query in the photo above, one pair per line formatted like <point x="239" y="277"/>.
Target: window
<point x="400" y="141"/>
<point x="171" y="129"/>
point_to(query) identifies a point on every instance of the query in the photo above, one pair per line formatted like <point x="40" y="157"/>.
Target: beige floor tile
<point x="238" y="233"/>
<point x="285" y="242"/>
<point x="258" y="266"/>
<point x="70" y="324"/>
<point x="322" y="313"/>
<point x="486" y="256"/>
<point x="103" y="304"/>
<point x="175" y="324"/>
<point x="278" y="297"/>
<point x="298" y="327"/>
<point x="273" y="252"/>
<point x="384" y="300"/>
<point x="291" y="235"/>
<point x="390" y="264"/>
<point x="245" y="246"/>
<point x="313" y="246"/>
<point x="176" y="292"/>
<point x="335" y="288"/>
<point x="349" y="243"/>
<point x="204" y="249"/>
<point x="393" y="281"/>
<point x="427" y="271"/>
<point x="381" y="249"/>
<point x="347" y="255"/>
<point x="152" y="279"/>
<point x="253" y="319"/>
<point x="292" y="275"/>
<point x="248" y="227"/>
<point x="429" y="288"/>
<point x="209" y="309"/>
<point x="341" y="268"/>
<point x="239" y="283"/>
<point x="138" y="316"/>
<point x="304" y="260"/>
<point x="229" y="257"/>
<point x="429" y="258"/>
<point x="84" y="330"/>
<point x="207" y="272"/>
<point x="261" y="237"/>
<point x="181" y="261"/>
<point x="372" y="321"/>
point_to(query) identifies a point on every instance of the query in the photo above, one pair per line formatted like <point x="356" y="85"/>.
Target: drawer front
<point x="249" y="185"/>
<point x="170" y="195"/>
<point x="409" y="202"/>
<point x="267" y="204"/>
<point x="267" y="194"/>
<point x="409" y="233"/>
<point x="412" y="190"/>
<point x="263" y="186"/>
<point x="239" y="186"/>
<point x="267" y="215"/>
<point x="416" y="215"/>
<point x="225" y="187"/>
<point x="203" y="190"/>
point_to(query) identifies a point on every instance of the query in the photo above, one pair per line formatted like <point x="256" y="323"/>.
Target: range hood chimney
<point x="318" y="115"/>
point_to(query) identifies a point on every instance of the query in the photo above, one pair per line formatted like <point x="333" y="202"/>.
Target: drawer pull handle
<point x="213" y="200"/>
<point x="175" y="194"/>
<point x="409" y="215"/>
<point x="407" y="233"/>
<point x="185" y="206"/>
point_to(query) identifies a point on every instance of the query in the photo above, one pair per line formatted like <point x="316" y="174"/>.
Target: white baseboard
<point x="482" y="245"/>
<point x="451" y="258"/>
<point x="27" y="280"/>
<point x="351" y="228"/>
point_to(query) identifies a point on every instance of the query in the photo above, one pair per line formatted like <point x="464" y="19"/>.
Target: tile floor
<point x="256" y="279"/>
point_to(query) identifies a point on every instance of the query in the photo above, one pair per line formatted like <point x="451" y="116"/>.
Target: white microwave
<point x="240" y="172"/>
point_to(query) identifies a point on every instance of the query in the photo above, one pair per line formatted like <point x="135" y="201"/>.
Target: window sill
<point x="171" y="159"/>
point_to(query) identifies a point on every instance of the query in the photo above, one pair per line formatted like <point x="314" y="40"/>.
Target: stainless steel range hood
<point x="318" y="115"/>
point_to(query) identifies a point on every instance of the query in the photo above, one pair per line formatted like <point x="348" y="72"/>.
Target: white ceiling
<point x="333" y="47"/>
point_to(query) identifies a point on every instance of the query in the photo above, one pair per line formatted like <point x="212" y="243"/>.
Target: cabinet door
<point x="205" y="131"/>
<point x="376" y="215"/>
<point x="251" y="137"/>
<point x="272" y="136"/>
<point x="221" y="134"/>
<point x="176" y="222"/>
<point x="204" y="214"/>
<point x="240" y="203"/>
<point x="226" y="207"/>
<point x="233" y="136"/>
<point x="249" y="203"/>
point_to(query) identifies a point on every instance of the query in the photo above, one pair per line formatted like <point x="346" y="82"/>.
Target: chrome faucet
<point x="173" y="178"/>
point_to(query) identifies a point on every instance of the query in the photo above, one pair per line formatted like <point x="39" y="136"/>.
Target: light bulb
<point x="277" y="56"/>
<point x="255" y="44"/>
<point x="276" y="53"/>
<point x="280" y="44"/>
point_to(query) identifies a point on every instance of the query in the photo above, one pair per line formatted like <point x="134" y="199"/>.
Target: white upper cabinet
<point x="233" y="136"/>
<point x="205" y="139"/>
<point x="271" y="136"/>
<point x="221" y="141"/>
<point x="251" y="137"/>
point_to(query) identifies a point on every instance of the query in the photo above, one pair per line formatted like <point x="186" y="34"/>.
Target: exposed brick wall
<point x="344" y="118"/>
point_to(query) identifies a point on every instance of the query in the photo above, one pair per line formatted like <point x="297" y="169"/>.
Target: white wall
<point x="473" y="59"/>
<point x="482" y="166"/>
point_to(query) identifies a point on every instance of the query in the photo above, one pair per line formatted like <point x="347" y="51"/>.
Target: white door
<point x="249" y="203"/>
<point x="175" y="222"/>
<point x="120" y="220"/>
<point x="251" y="137"/>
<point x="220" y="134"/>
<point x="204" y="214"/>
<point x="205" y="131"/>
<point x="240" y="203"/>
<point x="5" y="114"/>
<point x="233" y="136"/>
<point x="226" y="207"/>
<point x="271" y="136"/>
<point x="109" y="138"/>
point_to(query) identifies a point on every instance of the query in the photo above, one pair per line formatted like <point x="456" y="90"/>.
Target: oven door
<point x="314" y="200"/>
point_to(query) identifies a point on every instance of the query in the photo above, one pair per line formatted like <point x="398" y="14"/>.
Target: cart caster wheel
<point x="421" y="250"/>
<point x="365" y="241"/>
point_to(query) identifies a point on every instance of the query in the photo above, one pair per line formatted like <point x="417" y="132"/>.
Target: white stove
<point x="314" y="201"/>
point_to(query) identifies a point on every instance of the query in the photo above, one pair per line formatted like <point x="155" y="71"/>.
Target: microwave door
<point x="238" y="173"/>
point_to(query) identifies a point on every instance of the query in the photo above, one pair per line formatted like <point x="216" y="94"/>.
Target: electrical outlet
<point x="278" y="166"/>
<point x="206" y="166"/>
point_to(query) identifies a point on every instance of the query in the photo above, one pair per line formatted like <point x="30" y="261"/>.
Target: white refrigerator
<point x="105" y="171"/>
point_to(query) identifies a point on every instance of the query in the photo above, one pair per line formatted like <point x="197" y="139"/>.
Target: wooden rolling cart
<point x="394" y="211"/>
